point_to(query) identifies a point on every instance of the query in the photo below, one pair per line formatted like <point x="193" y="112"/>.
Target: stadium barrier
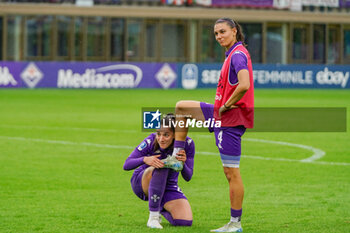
<point x="271" y="76"/>
<point x="163" y="75"/>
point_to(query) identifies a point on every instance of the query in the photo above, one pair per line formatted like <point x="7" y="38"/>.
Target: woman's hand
<point x="153" y="161"/>
<point x="181" y="156"/>
<point x="223" y="109"/>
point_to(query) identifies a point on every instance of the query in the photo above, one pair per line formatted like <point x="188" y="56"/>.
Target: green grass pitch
<point x="62" y="152"/>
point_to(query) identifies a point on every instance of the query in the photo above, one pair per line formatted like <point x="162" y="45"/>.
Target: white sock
<point x="154" y="214"/>
<point x="235" y="219"/>
<point x="176" y="150"/>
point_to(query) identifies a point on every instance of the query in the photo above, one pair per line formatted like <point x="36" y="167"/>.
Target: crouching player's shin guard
<point x="155" y="194"/>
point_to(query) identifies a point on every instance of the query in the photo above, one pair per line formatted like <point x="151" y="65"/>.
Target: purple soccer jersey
<point x="146" y="148"/>
<point x="238" y="62"/>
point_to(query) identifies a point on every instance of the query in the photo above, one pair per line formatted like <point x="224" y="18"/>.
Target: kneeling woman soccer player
<point x="153" y="182"/>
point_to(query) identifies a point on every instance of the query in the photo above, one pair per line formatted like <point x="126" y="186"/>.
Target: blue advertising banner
<point x="163" y="75"/>
<point x="270" y="76"/>
<point x="344" y="3"/>
<point x="87" y="75"/>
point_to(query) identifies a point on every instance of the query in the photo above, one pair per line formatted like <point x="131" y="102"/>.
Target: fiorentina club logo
<point x="31" y="75"/>
<point x="166" y="76"/>
<point x="155" y="198"/>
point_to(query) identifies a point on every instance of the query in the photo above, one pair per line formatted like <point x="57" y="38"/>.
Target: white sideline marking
<point x="280" y="159"/>
<point x="68" y="128"/>
<point x="131" y="147"/>
<point x="317" y="153"/>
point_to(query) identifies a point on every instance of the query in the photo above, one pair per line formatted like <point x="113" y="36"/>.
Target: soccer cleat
<point x="154" y="222"/>
<point x="230" y="227"/>
<point x="172" y="163"/>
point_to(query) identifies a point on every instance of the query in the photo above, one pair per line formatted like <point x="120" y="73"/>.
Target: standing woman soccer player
<point x="234" y="106"/>
<point x="152" y="181"/>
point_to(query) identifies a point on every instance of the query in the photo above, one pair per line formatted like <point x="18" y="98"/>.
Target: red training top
<point x="244" y="113"/>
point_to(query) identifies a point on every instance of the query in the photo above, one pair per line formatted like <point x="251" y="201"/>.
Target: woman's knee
<point x="147" y="174"/>
<point x="184" y="105"/>
<point x="189" y="109"/>
<point x="181" y="105"/>
<point x="179" y="209"/>
<point x="146" y="179"/>
<point x="232" y="174"/>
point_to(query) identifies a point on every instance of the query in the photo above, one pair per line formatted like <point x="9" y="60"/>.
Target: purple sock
<point x="167" y="216"/>
<point x="156" y="188"/>
<point x="236" y="215"/>
<point x="181" y="222"/>
<point x="179" y="144"/>
<point x="175" y="222"/>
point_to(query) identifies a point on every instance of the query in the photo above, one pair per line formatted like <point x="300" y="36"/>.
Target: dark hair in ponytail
<point x="233" y="24"/>
<point x="168" y="119"/>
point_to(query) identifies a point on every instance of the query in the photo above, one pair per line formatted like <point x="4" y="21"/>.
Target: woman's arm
<point x="134" y="160"/>
<point x="239" y="75"/>
<point x="142" y="155"/>
<point x="188" y="158"/>
<point x="187" y="170"/>
<point x="242" y="87"/>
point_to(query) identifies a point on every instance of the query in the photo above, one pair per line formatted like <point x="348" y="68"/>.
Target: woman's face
<point x="165" y="137"/>
<point x="225" y="35"/>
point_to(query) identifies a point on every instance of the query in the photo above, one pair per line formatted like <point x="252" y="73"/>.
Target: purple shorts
<point x="172" y="192"/>
<point x="228" y="139"/>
